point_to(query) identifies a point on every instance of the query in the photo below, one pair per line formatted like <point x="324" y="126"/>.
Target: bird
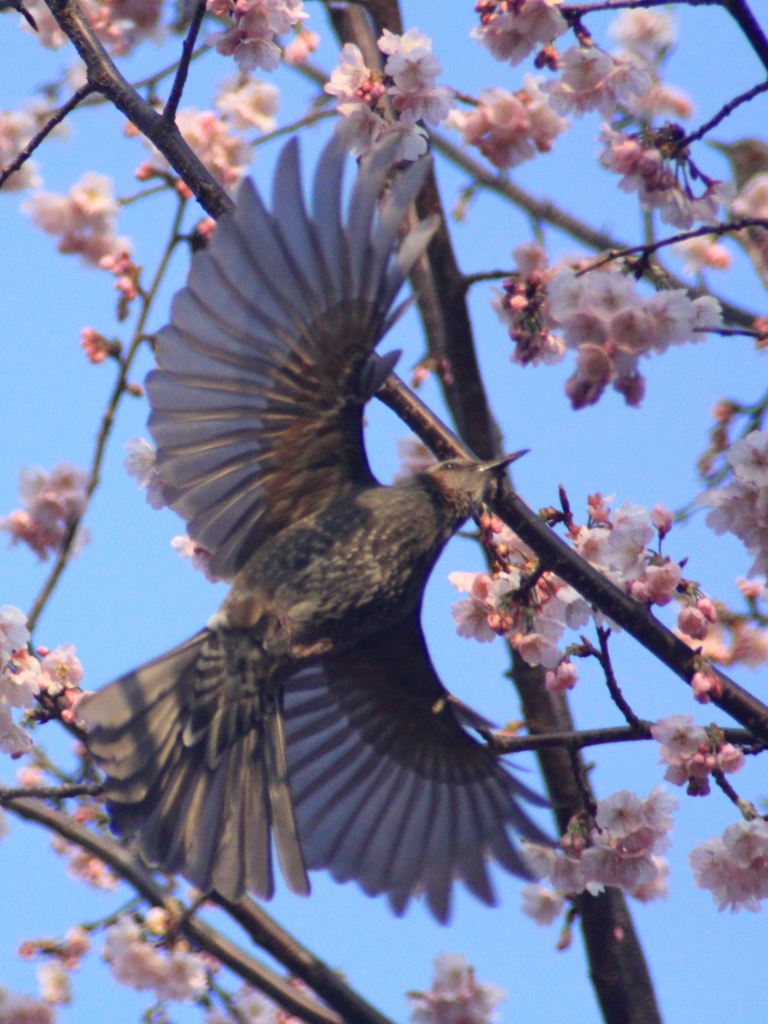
<point x="307" y="712"/>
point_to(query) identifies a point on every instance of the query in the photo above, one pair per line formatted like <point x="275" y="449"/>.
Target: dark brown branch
<point x="188" y="48"/>
<point x="45" y="131"/>
<point x="64" y="792"/>
<point x="201" y="934"/>
<point x="724" y="112"/>
<point x="301" y="963"/>
<point x="614" y="689"/>
<point x="577" y="739"/>
<point x="104" y="77"/>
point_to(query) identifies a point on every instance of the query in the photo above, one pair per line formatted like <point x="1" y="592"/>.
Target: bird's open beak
<point x="505" y="460"/>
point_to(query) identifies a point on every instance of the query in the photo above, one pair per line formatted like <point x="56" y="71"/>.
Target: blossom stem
<point x="107" y="421"/>
<point x="46" y="130"/>
<point x="724" y="111"/>
<point x="187" y="49"/>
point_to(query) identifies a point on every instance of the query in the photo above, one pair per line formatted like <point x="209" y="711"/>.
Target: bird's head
<point x="467" y="484"/>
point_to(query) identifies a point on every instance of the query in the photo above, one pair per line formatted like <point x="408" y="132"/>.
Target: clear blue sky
<point x="128" y="597"/>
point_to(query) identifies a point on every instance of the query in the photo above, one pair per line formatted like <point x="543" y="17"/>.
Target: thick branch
<point x="104" y="77"/>
<point x="201" y="934"/>
<point x="301" y="963"/>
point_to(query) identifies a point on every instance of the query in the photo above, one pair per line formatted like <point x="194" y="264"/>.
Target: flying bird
<point x="307" y="710"/>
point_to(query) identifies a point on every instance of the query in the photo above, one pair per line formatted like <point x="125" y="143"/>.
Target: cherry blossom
<point x="509" y="128"/>
<point x="13" y="739"/>
<point x="456" y="997"/>
<point x="140" y="464"/>
<point x="630" y="832"/>
<point x="83" y="866"/>
<point x="84" y="220"/>
<point x="521" y="306"/>
<point x="413" y="69"/>
<point x="199" y="557"/>
<point x="541" y="904"/>
<point x="564" y="678"/>
<point x="513" y="30"/>
<point x="23" y="1009"/>
<point x="60" y="670"/>
<point x="303" y="43"/>
<point x="119" y="24"/>
<point x="594" y="80"/>
<point x="55" y="501"/>
<point x="643" y="166"/>
<point x="741" y="506"/>
<point x="249" y="104"/>
<point x="14" y="634"/>
<point x="691" y="755"/>
<point x="55" y="986"/>
<point x="646" y="33"/>
<point x="179" y="975"/>
<point x="251" y="39"/>
<point x="734" y="866"/>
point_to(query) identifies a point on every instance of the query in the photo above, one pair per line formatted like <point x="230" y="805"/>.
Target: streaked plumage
<point x="308" y="708"/>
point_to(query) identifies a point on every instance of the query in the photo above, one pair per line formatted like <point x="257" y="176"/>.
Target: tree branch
<point x="104" y="77"/>
<point x="198" y="931"/>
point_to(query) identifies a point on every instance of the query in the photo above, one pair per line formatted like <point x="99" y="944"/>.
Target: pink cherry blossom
<point x="303" y="43"/>
<point x="564" y="678"/>
<point x="456" y="995"/>
<point x="512" y="30"/>
<point x="13" y="739"/>
<point x="53" y="979"/>
<point x="734" y="866"/>
<point x="541" y="904"/>
<point x="55" y="502"/>
<point x="413" y="69"/>
<point x="24" y="1009"/>
<point x="199" y="558"/>
<point x="249" y="104"/>
<point x="60" y="670"/>
<point x="84" y="220"/>
<point x="647" y="33"/>
<point x="593" y="80"/>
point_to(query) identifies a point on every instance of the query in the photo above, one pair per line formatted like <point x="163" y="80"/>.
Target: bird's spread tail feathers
<point x="209" y="818"/>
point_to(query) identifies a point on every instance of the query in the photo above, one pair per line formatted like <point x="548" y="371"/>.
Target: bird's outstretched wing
<point x="267" y="361"/>
<point x="389" y="789"/>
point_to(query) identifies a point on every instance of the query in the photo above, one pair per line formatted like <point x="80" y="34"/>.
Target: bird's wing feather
<point x="256" y="402"/>
<point x="388" y="788"/>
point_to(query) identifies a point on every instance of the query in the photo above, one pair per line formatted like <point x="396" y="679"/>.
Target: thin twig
<point x="288" y="129"/>
<point x="107" y="422"/>
<point x="600" y="737"/>
<point x="187" y="49"/>
<point x="724" y="111"/>
<point x="46" y="130"/>
<point x="614" y="689"/>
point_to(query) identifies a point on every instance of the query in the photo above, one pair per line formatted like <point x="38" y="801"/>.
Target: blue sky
<point x="128" y="597"/>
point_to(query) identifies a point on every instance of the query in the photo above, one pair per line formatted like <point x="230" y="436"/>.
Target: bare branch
<point x="169" y="113"/>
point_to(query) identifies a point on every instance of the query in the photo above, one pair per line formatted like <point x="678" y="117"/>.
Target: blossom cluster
<point x="83" y="220"/>
<point x="456" y="995"/>
<point x="734" y="866"/>
<point x="621" y="851"/>
<point x="511" y="30"/>
<point x="533" y="619"/>
<point x="23" y="677"/>
<point x="642" y="161"/>
<point x="20" y="1008"/>
<point x="410" y="72"/>
<point x="179" y="975"/>
<point x="251" y="40"/>
<point x="509" y="128"/>
<point x="602" y="316"/>
<point x="692" y="753"/>
<point x="741" y="506"/>
<point x="594" y="80"/>
<point x="120" y="24"/>
<point x="54" y="502"/>
<point x="83" y="865"/>
<point x="252" y="1008"/>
